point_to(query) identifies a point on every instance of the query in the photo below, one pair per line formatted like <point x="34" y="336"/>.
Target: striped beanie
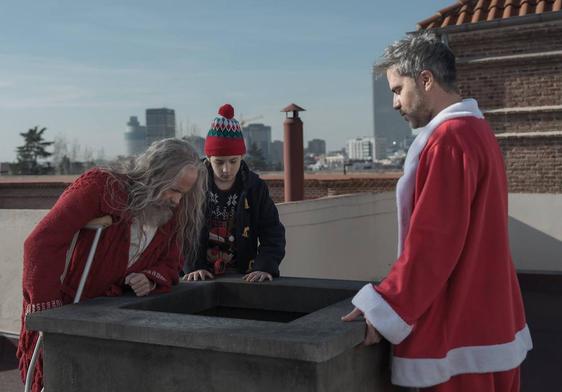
<point x="225" y="136"/>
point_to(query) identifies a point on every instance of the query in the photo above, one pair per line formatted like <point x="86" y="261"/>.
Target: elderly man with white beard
<point x="156" y="206"/>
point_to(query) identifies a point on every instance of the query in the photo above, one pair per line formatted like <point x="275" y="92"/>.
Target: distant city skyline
<point x="83" y="69"/>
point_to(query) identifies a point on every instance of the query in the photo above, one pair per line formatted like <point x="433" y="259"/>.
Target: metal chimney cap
<point x="293" y="108"/>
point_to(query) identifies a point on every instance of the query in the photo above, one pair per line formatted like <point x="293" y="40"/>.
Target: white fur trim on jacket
<point x="425" y="372"/>
<point x="381" y="315"/>
<point x="406" y="183"/>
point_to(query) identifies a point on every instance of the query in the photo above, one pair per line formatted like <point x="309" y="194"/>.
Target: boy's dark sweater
<point x="257" y="212"/>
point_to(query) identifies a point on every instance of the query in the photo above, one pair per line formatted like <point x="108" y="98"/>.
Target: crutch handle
<point x="102" y="221"/>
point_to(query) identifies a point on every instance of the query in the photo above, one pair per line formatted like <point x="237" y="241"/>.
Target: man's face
<point x="409" y="98"/>
<point x="225" y="169"/>
<point x="160" y="212"/>
<point x="181" y="186"/>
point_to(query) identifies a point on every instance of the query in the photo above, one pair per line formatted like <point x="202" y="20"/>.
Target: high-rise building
<point x="135" y="137"/>
<point x="387" y="122"/>
<point x="360" y="148"/>
<point x="276" y="151"/>
<point x="380" y="149"/>
<point x="316" y="147"/>
<point x="260" y="135"/>
<point x="160" y="124"/>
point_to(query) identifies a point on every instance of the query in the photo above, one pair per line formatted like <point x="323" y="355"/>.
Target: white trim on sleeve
<point x="425" y="372"/>
<point x="381" y="315"/>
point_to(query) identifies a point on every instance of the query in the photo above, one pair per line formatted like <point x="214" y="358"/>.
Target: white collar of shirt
<point x="139" y="240"/>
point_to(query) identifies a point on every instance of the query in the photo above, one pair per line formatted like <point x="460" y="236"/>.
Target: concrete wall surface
<point x="15" y="226"/>
<point x="535" y="230"/>
<point x="343" y="237"/>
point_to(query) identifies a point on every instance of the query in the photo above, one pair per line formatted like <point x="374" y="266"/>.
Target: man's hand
<point x="140" y="284"/>
<point x="257" y="276"/>
<point x="372" y="336"/>
<point x="201" y="274"/>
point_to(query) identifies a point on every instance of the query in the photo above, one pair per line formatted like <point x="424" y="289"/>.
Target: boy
<point x="243" y="233"/>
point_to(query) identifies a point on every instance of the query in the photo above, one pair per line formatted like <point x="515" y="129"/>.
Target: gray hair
<point x="148" y="176"/>
<point x="418" y="52"/>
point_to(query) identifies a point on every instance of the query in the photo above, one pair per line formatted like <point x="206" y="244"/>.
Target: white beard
<point x="157" y="214"/>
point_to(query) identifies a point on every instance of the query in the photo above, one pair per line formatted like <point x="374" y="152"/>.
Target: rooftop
<point x="465" y="12"/>
<point x="360" y="229"/>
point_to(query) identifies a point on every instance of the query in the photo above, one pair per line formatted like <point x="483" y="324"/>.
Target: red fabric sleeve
<point x="45" y="248"/>
<point x="445" y="185"/>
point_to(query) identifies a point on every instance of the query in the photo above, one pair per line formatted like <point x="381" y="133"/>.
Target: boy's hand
<point x="201" y="274"/>
<point x="257" y="276"/>
<point x="140" y="284"/>
<point x="372" y="336"/>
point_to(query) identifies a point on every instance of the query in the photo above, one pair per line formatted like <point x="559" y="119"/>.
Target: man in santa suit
<point x="451" y="304"/>
<point x="156" y="205"/>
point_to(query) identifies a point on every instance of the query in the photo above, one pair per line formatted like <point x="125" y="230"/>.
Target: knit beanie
<point x="225" y="136"/>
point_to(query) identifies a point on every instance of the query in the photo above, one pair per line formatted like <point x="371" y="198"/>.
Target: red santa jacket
<point x="92" y="195"/>
<point x="451" y="303"/>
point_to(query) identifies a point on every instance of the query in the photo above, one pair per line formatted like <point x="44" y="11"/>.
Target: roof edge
<point x="484" y="25"/>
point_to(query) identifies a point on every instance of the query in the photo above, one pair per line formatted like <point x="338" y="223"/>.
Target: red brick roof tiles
<point x="474" y="11"/>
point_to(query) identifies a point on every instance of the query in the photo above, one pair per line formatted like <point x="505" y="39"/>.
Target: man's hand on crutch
<point x="140" y="284"/>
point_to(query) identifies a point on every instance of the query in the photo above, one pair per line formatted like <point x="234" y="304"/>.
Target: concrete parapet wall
<point x="345" y="237"/>
<point x="16" y="226"/>
<point x="535" y="231"/>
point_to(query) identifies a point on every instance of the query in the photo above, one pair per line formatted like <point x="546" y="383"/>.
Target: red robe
<point x="92" y="195"/>
<point x="451" y="303"/>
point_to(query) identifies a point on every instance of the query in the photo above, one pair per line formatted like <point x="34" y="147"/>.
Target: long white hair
<point x="154" y="172"/>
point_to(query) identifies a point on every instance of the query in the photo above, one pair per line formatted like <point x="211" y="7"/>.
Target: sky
<point x="82" y="68"/>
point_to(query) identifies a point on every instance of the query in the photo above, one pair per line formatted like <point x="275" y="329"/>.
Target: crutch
<point x="98" y="225"/>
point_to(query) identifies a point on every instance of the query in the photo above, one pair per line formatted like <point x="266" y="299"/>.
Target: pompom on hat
<point x="225" y="136"/>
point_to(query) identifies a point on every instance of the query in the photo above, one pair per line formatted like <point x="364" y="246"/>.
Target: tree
<point x="33" y="149"/>
<point x="255" y="158"/>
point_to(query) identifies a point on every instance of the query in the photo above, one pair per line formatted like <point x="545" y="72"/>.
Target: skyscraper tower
<point x="388" y="126"/>
<point x="135" y="137"/>
<point x="160" y="124"/>
<point x="260" y="135"/>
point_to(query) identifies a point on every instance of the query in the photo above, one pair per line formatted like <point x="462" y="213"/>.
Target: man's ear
<point x="426" y="79"/>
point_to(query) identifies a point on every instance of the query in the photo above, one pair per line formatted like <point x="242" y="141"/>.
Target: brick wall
<point x="315" y="188"/>
<point x="42" y="194"/>
<point x="32" y="196"/>
<point x="519" y="94"/>
<point x="505" y="41"/>
<point x="513" y="83"/>
<point x="533" y="121"/>
<point x="533" y="162"/>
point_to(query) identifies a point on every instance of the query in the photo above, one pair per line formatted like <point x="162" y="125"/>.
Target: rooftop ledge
<point x="320" y="176"/>
<point x="522" y="56"/>
<point x="524" y="109"/>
